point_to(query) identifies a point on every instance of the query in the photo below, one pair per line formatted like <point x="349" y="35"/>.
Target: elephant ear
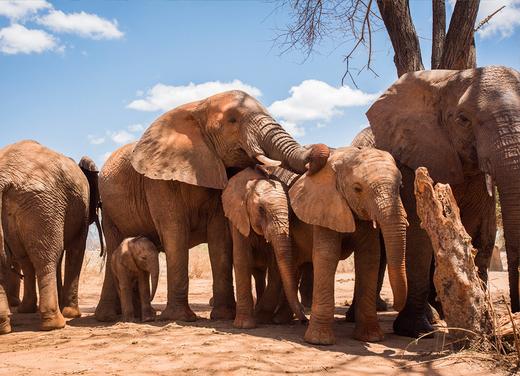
<point x="406" y="121"/>
<point x="174" y="148"/>
<point x="316" y="200"/>
<point x="234" y="199"/>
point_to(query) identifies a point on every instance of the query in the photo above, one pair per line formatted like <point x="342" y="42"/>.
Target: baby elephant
<point x="133" y="262"/>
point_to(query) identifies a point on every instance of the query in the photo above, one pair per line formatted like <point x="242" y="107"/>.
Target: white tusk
<point x="407" y="223"/>
<point x="374" y="224"/>
<point x="267" y="161"/>
<point x="489" y="185"/>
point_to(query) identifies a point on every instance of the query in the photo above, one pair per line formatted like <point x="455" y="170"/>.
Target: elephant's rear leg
<point x="73" y="262"/>
<point x="109" y="305"/>
<point x="13" y="285"/>
<point x="30" y="300"/>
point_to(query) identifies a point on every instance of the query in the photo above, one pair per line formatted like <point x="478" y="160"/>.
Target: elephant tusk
<point x="374" y="224"/>
<point x="489" y="185"/>
<point x="267" y="161"/>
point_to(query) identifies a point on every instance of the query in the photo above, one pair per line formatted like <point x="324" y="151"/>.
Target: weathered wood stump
<point x="458" y="285"/>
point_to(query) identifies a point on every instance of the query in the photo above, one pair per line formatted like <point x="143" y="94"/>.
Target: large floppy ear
<point x="406" y="121"/>
<point x="174" y="148"/>
<point x="316" y="200"/>
<point x="234" y="199"/>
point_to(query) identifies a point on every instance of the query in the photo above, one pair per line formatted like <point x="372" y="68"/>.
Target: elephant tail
<point x="91" y="172"/>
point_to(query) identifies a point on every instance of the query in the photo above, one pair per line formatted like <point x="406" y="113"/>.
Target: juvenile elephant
<point x="258" y="210"/>
<point x="167" y="187"/>
<point x="44" y="210"/>
<point x="354" y="193"/>
<point x="134" y="262"/>
<point x="464" y="126"/>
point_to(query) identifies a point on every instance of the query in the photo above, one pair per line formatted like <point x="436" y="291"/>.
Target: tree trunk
<point x="438" y="32"/>
<point x="459" y="48"/>
<point x="398" y="23"/>
<point x="456" y="280"/>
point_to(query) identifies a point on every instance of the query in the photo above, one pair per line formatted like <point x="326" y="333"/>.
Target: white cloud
<point x="293" y="128"/>
<point x="16" y="9"/>
<point x="321" y="125"/>
<point x="17" y="39"/>
<point x="121" y="137"/>
<point x="96" y="140"/>
<point x="317" y="100"/>
<point x="504" y="22"/>
<point x="84" y="24"/>
<point x="165" y="97"/>
<point x="135" y="128"/>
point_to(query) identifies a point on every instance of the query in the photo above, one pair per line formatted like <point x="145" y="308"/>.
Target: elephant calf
<point x="133" y="262"/>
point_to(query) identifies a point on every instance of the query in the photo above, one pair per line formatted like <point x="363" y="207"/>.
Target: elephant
<point x="258" y="210"/>
<point x="464" y="127"/>
<point x="168" y="187"/>
<point x="45" y="212"/>
<point x="134" y="262"/>
<point x="338" y="209"/>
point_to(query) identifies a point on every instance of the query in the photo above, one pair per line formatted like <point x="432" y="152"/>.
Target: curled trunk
<point x="283" y="253"/>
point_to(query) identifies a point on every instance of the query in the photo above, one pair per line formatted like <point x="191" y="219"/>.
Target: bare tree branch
<point x="438" y="31"/>
<point x="486" y="20"/>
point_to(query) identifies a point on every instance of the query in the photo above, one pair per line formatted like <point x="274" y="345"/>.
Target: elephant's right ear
<point x="175" y="148"/>
<point x="406" y="122"/>
<point x="234" y="199"/>
<point x="316" y="200"/>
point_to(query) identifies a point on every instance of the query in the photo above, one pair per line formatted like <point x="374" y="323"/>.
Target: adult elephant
<point x="167" y="187"/>
<point x="464" y="126"/>
<point x="45" y="204"/>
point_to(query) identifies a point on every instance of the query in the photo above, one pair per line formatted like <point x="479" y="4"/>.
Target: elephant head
<point x="360" y="184"/>
<point x="251" y="201"/>
<point x="196" y="142"/>
<point x="459" y="123"/>
<point x="143" y="255"/>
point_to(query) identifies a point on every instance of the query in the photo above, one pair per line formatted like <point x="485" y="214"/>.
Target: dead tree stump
<point x="458" y="285"/>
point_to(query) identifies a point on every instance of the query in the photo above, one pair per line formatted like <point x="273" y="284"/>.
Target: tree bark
<point x="459" y="48"/>
<point x="438" y="32"/>
<point x="398" y="22"/>
<point x="456" y="279"/>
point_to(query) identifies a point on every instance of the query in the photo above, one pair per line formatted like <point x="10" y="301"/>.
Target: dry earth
<point x="87" y="347"/>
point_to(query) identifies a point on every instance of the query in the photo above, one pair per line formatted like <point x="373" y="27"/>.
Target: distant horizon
<point x="86" y="77"/>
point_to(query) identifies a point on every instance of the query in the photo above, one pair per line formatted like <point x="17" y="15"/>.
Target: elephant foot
<point x="244" y="322"/>
<point x="283" y="316"/>
<point x="5" y="326"/>
<point x="412" y="325"/>
<point x="27" y="307"/>
<point x="56" y="321"/>
<point x="71" y="312"/>
<point x="264" y="316"/>
<point x="222" y="313"/>
<point x="178" y="313"/>
<point x="128" y="318"/>
<point x="320" y="334"/>
<point x="149" y="317"/>
<point x="368" y="332"/>
<point x="350" y="315"/>
<point x="381" y="305"/>
<point x="106" y="312"/>
<point x="432" y="315"/>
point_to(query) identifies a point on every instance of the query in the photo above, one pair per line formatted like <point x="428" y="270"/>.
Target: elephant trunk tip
<point x="318" y="156"/>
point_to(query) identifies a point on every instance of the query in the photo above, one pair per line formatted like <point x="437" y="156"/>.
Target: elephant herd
<point x="222" y="171"/>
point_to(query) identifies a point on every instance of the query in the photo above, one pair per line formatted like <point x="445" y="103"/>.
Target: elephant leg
<point x="49" y="309"/>
<point x="221" y="257"/>
<point x="266" y="305"/>
<point x="366" y="262"/>
<point x="5" y="322"/>
<point x="73" y="262"/>
<point x="325" y="256"/>
<point x="242" y="263"/>
<point x="259" y="276"/>
<point x="109" y="304"/>
<point x="59" y="280"/>
<point x="381" y="305"/>
<point x="306" y="281"/>
<point x="13" y="284"/>
<point x="125" y="287"/>
<point x="30" y="300"/>
<point x="284" y="313"/>
<point x="147" y="312"/>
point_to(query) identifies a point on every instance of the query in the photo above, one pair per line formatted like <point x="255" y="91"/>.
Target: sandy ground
<point x="87" y="347"/>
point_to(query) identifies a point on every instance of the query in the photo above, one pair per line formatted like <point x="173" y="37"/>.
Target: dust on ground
<point x="88" y="347"/>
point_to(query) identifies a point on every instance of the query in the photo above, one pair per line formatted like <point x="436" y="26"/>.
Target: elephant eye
<point x="463" y="120"/>
<point x="232" y="120"/>
<point x="357" y="188"/>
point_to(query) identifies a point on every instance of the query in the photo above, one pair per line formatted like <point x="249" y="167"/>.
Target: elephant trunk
<point x="153" y="269"/>
<point x="283" y="252"/>
<point x="505" y="166"/>
<point x="266" y="137"/>
<point x="392" y="219"/>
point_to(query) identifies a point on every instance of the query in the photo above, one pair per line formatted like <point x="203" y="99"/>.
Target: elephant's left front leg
<point x="221" y="257"/>
<point x="147" y="312"/>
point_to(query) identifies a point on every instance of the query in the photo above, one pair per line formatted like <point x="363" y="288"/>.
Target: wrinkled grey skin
<point x="134" y="263"/>
<point x="44" y="209"/>
<point x="462" y="126"/>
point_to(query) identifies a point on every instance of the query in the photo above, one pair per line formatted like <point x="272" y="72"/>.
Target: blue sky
<point x="84" y="77"/>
